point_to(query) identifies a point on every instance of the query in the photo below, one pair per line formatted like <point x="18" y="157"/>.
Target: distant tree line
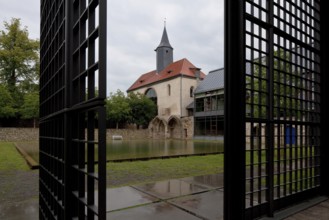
<point x="135" y="108"/>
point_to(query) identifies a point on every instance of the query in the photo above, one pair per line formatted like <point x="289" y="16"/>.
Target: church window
<point x="169" y="90"/>
<point x="151" y="94"/>
<point x="191" y="91"/>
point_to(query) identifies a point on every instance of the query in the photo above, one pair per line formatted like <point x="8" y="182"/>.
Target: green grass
<point x="10" y="159"/>
<point x="128" y="173"/>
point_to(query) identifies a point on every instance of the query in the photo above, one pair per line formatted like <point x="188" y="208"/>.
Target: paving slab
<point x="27" y="210"/>
<point x="124" y="197"/>
<point x="207" y="205"/>
<point x="171" y="188"/>
<point x="158" y="211"/>
<point x="213" y="181"/>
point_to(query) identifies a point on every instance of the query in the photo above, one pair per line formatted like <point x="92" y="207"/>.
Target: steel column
<point x="234" y="126"/>
<point x="324" y="98"/>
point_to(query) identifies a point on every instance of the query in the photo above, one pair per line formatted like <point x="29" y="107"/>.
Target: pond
<point x="137" y="149"/>
<point x="130" y="149"/>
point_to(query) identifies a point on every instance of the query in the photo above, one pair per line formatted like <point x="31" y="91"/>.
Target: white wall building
<point x="171" y="87"/>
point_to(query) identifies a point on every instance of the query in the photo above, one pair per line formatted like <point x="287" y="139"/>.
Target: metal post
<point x="323" y="7"/>
<point x="234" y="145"/>
<point x="68" y="213"/>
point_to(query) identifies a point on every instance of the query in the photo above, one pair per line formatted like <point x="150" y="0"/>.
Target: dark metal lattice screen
<point x="283" y="100"/>
<point x="281" y="84"/>
<point x="72" y="112"/>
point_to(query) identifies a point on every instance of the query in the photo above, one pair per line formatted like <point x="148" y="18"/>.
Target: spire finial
<point x="165" y="21"/>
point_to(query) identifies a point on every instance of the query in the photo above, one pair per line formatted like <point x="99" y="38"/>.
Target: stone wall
<point x="188" y="127"/>
<point x="19" y="134"/>
<point x="128" y="134"/>
<point x="32" y="134"/>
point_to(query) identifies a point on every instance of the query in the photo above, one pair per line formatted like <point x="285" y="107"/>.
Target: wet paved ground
<point x="189" y="198"/>
<point x="22" y="210"/>
<point x="317" y="212"/>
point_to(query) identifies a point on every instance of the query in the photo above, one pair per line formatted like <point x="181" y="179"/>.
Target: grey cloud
<point x="195" y="30"/>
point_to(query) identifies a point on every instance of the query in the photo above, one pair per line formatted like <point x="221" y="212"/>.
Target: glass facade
<point x="209" y="115"/>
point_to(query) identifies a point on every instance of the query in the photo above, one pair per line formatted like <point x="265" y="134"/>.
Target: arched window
<point x="191" y="91"/>
<point x="169" y="90"/>
<point x="151" y="94"/>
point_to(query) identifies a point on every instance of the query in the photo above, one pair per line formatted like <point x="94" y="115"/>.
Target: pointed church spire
<point x="164" y="51"/>
<point x="164" y="40"/>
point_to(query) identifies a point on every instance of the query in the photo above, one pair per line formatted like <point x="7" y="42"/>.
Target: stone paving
<point x="188" y="198"/>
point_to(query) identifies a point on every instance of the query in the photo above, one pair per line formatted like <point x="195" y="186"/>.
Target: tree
<point x="30" y="108"/>
<point x="143" y="109"/>
<point x="286" y="87"/>
<point x="118" y="108"/>
<point x="7" y="109"/>
<point x="19" y="60"/>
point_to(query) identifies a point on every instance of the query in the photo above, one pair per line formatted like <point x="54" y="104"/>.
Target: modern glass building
<point x="209" y="106"/>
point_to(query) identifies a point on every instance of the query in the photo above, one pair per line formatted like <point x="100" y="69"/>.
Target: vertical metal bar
<point x="102" y="165"/>
<point x="102" y="112"/>
<point x="270" y="114"/>
<point x="234" y="146"/>
<point x="102" y="47"/>
<point x="324" y="143"/>
<point x="68" y="185"/>
<point x="91" y="161"/>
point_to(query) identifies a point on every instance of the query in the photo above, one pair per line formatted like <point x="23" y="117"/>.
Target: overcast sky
<point x="195" y="30"/>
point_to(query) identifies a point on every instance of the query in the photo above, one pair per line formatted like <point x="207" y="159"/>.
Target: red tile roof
<point x="181" y="67"/>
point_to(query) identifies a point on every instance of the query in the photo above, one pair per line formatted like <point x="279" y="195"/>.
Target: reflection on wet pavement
<point x="187" y="198"/>
<point x="213" y="181"/>
<point x="171" y="188"/>
<point x="198" y="197"/>
<point x="27" y="210"/>
<point x="208" y="205"/>
<point x="123" y="197"/>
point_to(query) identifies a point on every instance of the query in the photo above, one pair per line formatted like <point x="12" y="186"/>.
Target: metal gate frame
<point x="72" y="114"/>
<point x="302" y="170"/>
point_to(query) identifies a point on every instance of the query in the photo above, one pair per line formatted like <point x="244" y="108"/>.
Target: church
<point x="171" y="86"/>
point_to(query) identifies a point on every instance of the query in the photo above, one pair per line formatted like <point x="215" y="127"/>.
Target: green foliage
<point x="7" y="109"/>
<point x="134" y="108"/>
<point x="143" y="109"/>
<point x="283" y="87"/>
<point x="118" y="108"/>
<point x="19" y="55"/>
<point x="30" y="108"/>
<point x="19" y="61"/>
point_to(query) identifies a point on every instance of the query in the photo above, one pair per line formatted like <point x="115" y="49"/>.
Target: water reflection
<point x="148" y="148"/>
<point x="130" y="149"/>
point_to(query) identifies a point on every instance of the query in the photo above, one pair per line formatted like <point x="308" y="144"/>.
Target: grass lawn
<point x="128" y="173"/>
<point x="10" y="159"/>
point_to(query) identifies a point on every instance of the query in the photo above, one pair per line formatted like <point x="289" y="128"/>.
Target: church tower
<point x="164" y="52"/>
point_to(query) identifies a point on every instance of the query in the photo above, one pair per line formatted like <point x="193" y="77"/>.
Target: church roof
<point x="164" y="40"/>
<point x="181" y="67"/>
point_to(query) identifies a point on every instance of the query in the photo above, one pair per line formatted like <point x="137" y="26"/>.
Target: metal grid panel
<point x="283" y="101"/>
<point x="52" y="100"/>
<point x="72" y="124"/>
